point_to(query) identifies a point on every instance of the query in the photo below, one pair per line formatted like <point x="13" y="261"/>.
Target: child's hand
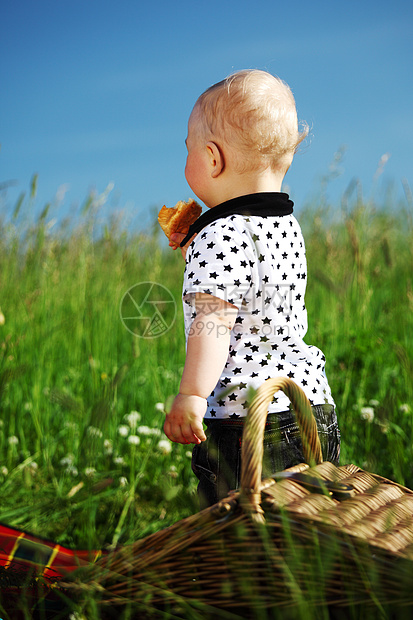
<point x="176" y="238"/>
<point x="183" y="423"/>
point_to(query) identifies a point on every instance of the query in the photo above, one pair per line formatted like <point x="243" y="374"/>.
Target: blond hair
<point x="254" y="113"/>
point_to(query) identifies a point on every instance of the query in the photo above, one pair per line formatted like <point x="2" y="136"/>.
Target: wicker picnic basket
<point x="313" y="535"/>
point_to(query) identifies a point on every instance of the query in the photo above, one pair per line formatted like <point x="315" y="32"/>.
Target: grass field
<point x="84" y="461"/>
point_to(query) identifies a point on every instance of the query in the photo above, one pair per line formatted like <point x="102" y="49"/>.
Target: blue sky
<point x="98" y="91"/>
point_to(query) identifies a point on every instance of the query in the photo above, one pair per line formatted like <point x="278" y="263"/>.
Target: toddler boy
<point x="244" y="285"/>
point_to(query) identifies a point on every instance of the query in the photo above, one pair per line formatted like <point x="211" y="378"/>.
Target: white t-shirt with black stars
<point x="258" y="264"/>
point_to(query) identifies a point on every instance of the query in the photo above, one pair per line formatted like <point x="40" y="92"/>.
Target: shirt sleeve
<point x="219" y="263"/>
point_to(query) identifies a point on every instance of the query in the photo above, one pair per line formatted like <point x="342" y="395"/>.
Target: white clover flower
<point x="144" y="430"/>
<point x="2" y="318"/>
<point x="72" y="470"/>
<point x="133" y="418"/>
<point x="188" y="453"/>
<point x="405" y="408"/>
<point x="76" y="616"/>
<point x="134" y="440"/>
<point x="374" y="403"/>
<point x="13" y="440"/>
<point x="33" y="468"/>
<point x="156" y="432"/>
<point x="93" y="431"/>
<point x="119" y="460"/>
<point x="164" y="446"/>
<point x="90" y="472"/>
<point x="367" y="413"/>
<point x="123" y="430"/>
<point x="123" y="482"/>
<point x="28" y="406"/>
<point x="71" y="425"/>
<point x="108" y="446"/>
<point x="160" y="407"/>
<point x="4" y="471"/>
<point x="68" y="460"/>
<point x="172" y="468"/>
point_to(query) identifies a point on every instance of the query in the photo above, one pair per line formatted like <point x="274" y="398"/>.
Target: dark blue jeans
<point x="217" y="461"/>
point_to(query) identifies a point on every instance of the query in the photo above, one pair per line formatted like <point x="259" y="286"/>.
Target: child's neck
<point x="243" y="184"/>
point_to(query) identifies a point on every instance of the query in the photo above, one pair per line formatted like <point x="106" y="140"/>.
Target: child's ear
<point x="216" y="159"/>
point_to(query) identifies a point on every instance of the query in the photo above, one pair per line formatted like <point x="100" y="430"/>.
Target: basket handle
<point x="252" y="449"/>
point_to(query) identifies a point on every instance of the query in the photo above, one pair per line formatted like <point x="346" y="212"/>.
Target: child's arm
<point x="206" y="355"/>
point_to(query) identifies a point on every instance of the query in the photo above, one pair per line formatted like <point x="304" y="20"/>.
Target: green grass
<point x="71" y="374"/>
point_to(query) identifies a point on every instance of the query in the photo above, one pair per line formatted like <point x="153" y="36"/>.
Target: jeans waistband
<point x="273" y="419"/>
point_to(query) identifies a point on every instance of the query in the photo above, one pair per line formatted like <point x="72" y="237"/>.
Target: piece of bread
<point x="178" y="219"/>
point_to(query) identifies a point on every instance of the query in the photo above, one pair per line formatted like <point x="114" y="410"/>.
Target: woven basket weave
<point x="313" y="535"/>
